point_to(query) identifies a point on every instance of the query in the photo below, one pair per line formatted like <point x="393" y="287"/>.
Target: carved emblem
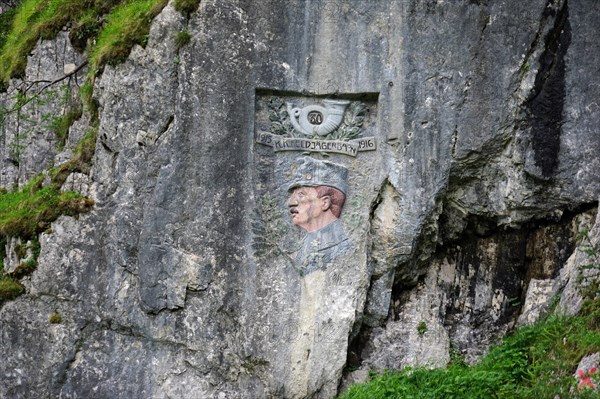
<point x="332" y="126"/>
<point x="315" y="120"/>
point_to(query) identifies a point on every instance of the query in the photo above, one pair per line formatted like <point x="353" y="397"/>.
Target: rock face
<point x="189" y="279"/>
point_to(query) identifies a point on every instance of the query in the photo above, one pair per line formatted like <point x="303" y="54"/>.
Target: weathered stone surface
<point x="31" y="105"/>
<point x="17" y="252"/>
<point x="549" y="247"/>
<point x="589" y="362"/>
<point x="571" y="298"/>
<point x="6" y="5"/>
<point x="418" y="322"/>
<point x="462" y="214"/>
<point x="79" y="183"/>
<point x="538" y="297"/>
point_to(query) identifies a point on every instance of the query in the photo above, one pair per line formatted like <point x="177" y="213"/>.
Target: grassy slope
<point x="534" y="362"/>
<point x="114" y="27"/>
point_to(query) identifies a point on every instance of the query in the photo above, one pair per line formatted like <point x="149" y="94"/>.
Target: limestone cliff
<point x="183" y="280"/>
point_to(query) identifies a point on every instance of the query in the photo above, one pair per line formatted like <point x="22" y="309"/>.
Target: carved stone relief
<point x="325" y="126"/>
<point x="306" y="133"/>
<point x="316" y="177"/>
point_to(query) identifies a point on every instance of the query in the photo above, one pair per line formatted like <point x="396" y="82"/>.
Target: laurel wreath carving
<point x="268" y="228"/>
<point x="350" y="129"/>
<point x="280" y="119"/>
<point x="353" y="121"/>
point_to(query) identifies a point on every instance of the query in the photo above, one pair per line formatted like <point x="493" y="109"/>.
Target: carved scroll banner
<point x="320" y="126"/>
<point x="351" y="147"/>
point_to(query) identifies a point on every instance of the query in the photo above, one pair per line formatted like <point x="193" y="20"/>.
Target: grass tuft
<point x="538" y="361"/>
<point x="182" y="39"/>
<point x="30" y="210"/>
<point x="115" y="25"/>
<point x="34" y="20"/>
<point x="9" y="289"/>
<point x="127" y="25"/>
<point x="61" y="124"/>
<point x="186" y="7"/>
<point x="26" y="212"/>
<point x="6" y="20"/>
<point x="55" y="318"/>
<point x="81" y="161"/>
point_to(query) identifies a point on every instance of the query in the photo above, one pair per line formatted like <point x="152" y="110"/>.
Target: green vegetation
<point x="80" y="162"/>
<point x="534" y="362"/>
<point x="589" y="273"/>
<point x="87" y="92"/>
<point x="107" y="30"/>
<point x="183" y="38"/>
<point x="60" y="125"/>
<point x="116" y="26"/>
<point x="28" y="211"/>
<point x="6" y="19"/>
<point x="23" y="105"/>
<point x="55" y="318"/>
<point x="29" y="264"/>
<point x="537" y="361"/>
<point x="422" y="328"/>
<point x="186" y="7"/>
<point x="9" y="288"/>
<point x="128" y="24"/>
<point x="34" y="19"/>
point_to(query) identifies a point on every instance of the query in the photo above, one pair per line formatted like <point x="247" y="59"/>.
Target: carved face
<point x="308" y="210"/>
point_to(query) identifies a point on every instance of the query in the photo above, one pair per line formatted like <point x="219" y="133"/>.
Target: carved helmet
<point x="313" y="172"/>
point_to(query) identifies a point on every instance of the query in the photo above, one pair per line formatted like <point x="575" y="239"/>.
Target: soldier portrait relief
<point x="317" y="196"/>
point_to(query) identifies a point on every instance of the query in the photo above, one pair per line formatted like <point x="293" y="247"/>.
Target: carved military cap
<point x="313" y="172"/>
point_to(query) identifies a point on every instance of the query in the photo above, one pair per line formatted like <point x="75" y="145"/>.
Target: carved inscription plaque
<point x="318" y="125"/>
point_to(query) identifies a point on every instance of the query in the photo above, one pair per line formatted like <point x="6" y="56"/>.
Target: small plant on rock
<point x="9" y="288"/>
<point x="186" y="7"/>
<point x="422" y="328"/>
<point x="182" y="39"/>
<point x="55" y="318"/>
